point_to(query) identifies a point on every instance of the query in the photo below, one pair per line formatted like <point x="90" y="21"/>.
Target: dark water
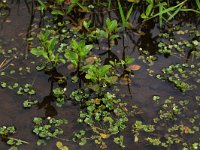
<point x="140" y="91"/>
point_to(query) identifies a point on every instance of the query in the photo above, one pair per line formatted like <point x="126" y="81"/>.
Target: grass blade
<point x="129" y="13"/>
<point x="175" y="13"/>
<point x="167" y="10"/>
<point x="160" y="16"/>
<point x="121" y="13"/>
<point x="198" y="3"/>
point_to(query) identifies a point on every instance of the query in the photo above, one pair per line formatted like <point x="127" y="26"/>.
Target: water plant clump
<point x="180" y="74"/>
<point x="6" y="133"/>
<point x="47" y="129"/>
<point x="174" y="118"/>
<point x="48" y="51"/>
<point x="105" y="115"/>
<point x="180" y="41"/>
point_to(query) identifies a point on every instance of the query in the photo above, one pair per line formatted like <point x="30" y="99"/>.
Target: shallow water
<point x="139" y="92"/>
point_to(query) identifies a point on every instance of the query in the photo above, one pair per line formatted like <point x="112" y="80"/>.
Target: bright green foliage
<point x="59" y="95"/>
<point x="48" y="50"/>
<point x="106" y="116"/>
<point x="102" y="109"/>
<point x="47" y="129"/>
<point x="124" y="18"/>
<point x="111" y="25"/>
<point x="166" y="12"/>
<point x="111" y="28"/>
<point x="120" y="141"/>
<point x="13" y="143"/>
<point x="175" y="121"/>
<point x="149" y="9"/>
<point x="177" y="74"/>
<point x="7" y="130"/>
<point x="60" y="146"/>
<point x="26" y="89"/>
<point x="77" y="52"/>
<point x="81" y="137"/>
<point x="80" y="95"/>
<point x="28" y="103"/>
<point x="99" y="75"/>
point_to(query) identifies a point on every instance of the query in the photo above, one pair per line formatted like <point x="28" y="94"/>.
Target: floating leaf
<point x="104" y="136"/>
<point x="60" y="146"/>
<point x="134" y="67"/>
<point x="97" y="101"/>
<point x="136" y="139"/>
<point x="185" y="129"/>
<point x="182" y="32"/>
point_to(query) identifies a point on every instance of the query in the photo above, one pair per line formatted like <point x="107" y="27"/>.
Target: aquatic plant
<point x="47" y="129"/>
<point x="178" y="74"/>
<point x="166" y="12"/>
<point x="126" y="17"/>
<point x="6" y="132"/>
<point x="107" y="111"/>
<point x="77" y="52"/>
<point x="59" y="95"/>
<point x="70" y="41"/>
<point x="48" y="51"/>
<point x="174" y="119"/>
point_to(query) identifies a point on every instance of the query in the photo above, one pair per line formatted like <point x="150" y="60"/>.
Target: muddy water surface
<point x="139" y="91"/>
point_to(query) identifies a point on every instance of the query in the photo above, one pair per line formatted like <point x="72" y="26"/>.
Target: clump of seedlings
<point x="181" y="75"/>
<point x="6" y="132"/>
<point x="175" y="121"/>
<point x="47" y="129"/>
<point x="180" y="41"/>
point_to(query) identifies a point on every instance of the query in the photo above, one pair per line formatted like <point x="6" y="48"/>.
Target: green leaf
<point x="52" y="44"/>
<point x="121" y="13"/>
<point x="42" y="6"/>
<point x="73" y="57"/>
<point x="70" y="7"/>
<point x="10" y="142"/>
<point x="41" y="67"/>
<point x="129" y="12"/>
<point x="85" y="50"/>
<point x="129" y="60"/>
<point x="111" y="25"/>
<point x="150" y="1"/>
<point x="59" y="2"/>
<point x="38" y="51"/>
<point x="149" y="10"/>
<point x="143" y="16"/>
<point x="57" y="12"/>
<point x="175" y="13"/>
<point x="198" y="4"/>
<point x="114" y="36"/>
<point x="104" y="70"/>
<point x="75" y="45"/>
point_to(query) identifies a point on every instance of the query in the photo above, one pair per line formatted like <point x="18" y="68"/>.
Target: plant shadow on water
<point x="152" y="86"/>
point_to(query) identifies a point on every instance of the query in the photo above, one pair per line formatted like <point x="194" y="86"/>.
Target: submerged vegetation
<point x="84" y="48"/>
